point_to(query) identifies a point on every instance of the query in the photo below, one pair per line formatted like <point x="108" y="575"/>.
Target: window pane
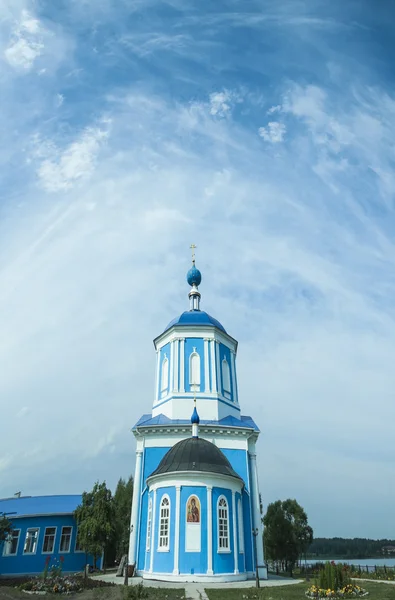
<point x="31" y="541"/>
<point x="65" y="540"/>
<point x="49" y="539"/>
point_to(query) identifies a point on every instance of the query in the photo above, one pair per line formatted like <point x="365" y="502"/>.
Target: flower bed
<point x="349" y="590"/>
<point x="54" y="585"/>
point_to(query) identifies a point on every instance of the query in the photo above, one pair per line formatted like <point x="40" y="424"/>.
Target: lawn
<point x="102" y="593"/>
<point x="377" y="591"/>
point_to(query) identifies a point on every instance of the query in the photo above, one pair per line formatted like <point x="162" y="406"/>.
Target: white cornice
<point x="209" y="332"/>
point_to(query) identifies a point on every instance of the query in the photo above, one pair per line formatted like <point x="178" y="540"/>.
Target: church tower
<point x="196" y="497"/>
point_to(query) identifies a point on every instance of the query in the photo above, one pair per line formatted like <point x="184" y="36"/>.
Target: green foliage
<point x="95" y="520"/>
<point x="135" y="592"/>
<point x="5" y="527"/>
<point x="348" y="548"/>
<point x="119" y="542"/>
<point x="333" y="576"/>
<point x="287" y="532"/>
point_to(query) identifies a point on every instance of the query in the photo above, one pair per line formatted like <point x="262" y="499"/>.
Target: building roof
<point x="195" y="318"/>
<point x="195" y="454"/>
<point x="40" y="505"/>
<point x="150" y="421"/>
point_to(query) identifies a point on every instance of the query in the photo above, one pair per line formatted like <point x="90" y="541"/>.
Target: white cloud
<point x="274" y="132"/>
<point x="222" y="103"/>
<point x="61" y="169"/>
<point x="26" y="43"/>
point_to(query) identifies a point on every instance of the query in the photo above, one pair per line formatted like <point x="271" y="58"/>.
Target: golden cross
<point x="192" y="247"/>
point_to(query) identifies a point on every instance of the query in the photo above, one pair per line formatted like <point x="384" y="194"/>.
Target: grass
<point x="377" y="591"/>
<point x="99" y="593"/>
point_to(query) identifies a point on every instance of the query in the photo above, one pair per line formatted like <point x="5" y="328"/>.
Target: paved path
<point x="195" y="591"/>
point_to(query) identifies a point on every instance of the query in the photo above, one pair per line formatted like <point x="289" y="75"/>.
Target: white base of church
<point x="195" y="578"/>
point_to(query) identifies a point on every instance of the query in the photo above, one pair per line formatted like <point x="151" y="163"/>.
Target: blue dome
<point x="195" y="417"/>
<point x="194" y="276"/>
<point x="195" y="317"/>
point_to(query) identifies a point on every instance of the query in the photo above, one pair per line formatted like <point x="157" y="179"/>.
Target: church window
<point x="223" y="525"/>
<point x="165" y="375"/>
<point x="241" y="528"/>
<point x="31" y="541"/>
<point x="164" y="524"/>
<point x="11" y="543"/>
<point x="149" y="525"/>
<point x="225" y="375"/>
<point x="49" y="539"/>
<point x="194" y="371"/>
<point x="65" y="540"/>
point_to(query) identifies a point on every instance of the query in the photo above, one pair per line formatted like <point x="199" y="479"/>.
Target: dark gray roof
<point x="195" y="454"/>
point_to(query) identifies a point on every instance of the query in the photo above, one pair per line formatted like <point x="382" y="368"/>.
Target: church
<point x="196" y="507"/>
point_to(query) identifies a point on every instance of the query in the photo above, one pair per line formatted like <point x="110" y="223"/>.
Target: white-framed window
<point x="31" y="540"/>
<point x="225" y="375"/>
<point x="65" y="539"/>
<point x="49" y="540"/>
<point x="11" y="543"/>
<point x="223" y="525"/>
<point x="194" y="371"/>
<point x="78" y="547"/>
<point x="241" y="526"/>
<point x="149" y="525"/>
<point x="164" y="384"/>
<point x="164" y="524"/>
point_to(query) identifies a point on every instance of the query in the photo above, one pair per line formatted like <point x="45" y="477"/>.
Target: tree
<point x="95" y="520"/>
<point x="287" y="533"/>
<point x="5" y="527"/>
<point x="119" y="543"/>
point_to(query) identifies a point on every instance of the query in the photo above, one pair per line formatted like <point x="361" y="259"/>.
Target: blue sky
<point x="262" y="131"/>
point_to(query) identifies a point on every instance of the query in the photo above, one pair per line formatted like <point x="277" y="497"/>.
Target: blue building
<point x="44" y="530"/>
<point x="196" y="497"/>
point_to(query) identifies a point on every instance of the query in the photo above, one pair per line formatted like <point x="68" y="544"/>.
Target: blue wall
<point x="239" y="461"/>
<point x="20" y="563"/>
<point x="223" y="562"/>
<point x="193" y="562"/>
<point x="164" y="561"/>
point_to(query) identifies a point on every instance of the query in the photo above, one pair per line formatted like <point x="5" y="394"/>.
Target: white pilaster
<point x="235" y="540"/>
<point x="151" y="566"/>
<point x="157" y="392"/>
<point x="175" y="370"/>
<point x="135" y="508"/>
<point x="206" y="368"/>
<point x="209" y="531"/>
<point x="234" y="384"/>
<point x="219" y="387"/>
<point x="182" y="365"/>
<point x="256" y="513"/>
<point x="171" y="374"/>
<point x="213" y="367"/>
<point x="176" y="569"/>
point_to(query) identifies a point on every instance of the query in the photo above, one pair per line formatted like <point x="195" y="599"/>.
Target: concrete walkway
<point x="195" y="591"/>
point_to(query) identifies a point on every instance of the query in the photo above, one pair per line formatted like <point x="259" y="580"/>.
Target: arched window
<point x="194" y="371"/>
<point x="165" y="375"/>
<point x="223" y="525"/>
<point x="164" y="523"/>
<point x="241" y="527"/>
<point x="149" y="525"/>
<point x="225" y="375"/>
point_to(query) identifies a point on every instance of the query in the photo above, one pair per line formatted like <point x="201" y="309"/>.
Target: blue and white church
<point x="196" y="508"/>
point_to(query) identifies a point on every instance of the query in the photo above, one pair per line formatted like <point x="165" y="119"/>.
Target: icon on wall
<point x="193" y="510"/>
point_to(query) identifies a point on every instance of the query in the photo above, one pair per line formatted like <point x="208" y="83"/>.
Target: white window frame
<point x="241" y="525"/>
<point x="149" y="526"/>
<point x="195" y="385"/>
<point x="38" y="536"/>
<point x="8" y="541"/>
<point x="75" y="543"/>
<point x="60" y="541"/>
<point x="164" y="548"/>
<point x="225" y="367"/>
<point x="54" y="540"/>
<point x="221" y="548"/>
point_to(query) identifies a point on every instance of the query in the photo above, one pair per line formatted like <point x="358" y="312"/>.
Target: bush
<point x="135" y="592"/>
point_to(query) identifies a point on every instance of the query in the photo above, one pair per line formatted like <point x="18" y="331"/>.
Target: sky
<point x="262" y="131"/>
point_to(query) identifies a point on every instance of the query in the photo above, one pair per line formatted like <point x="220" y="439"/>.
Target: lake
<point x="379" y="561"/>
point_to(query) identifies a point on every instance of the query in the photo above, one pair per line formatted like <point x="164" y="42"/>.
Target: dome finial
<point x="194" y="278"/>
<point x="195" y="421"/>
